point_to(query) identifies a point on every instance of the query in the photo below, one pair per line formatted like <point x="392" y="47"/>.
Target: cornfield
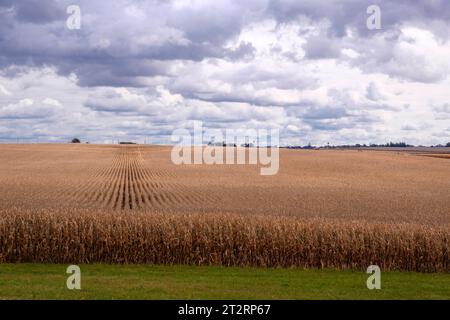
<point x="336" y="209"/>
<point x="228" y="240"/>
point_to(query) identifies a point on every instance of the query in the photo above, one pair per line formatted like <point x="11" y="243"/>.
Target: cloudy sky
<point x="137" y="70"/>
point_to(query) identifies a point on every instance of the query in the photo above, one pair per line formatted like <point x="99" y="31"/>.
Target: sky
<point x="137" y="70"/>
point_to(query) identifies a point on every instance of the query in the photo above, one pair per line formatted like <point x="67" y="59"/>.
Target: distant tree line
<point x="372" y="145"/>
<point x="386" y="145"/>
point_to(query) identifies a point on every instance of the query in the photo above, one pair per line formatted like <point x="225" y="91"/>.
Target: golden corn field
<point x="129" y="204"/>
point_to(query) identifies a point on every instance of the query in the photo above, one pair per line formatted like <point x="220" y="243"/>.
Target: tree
<point x="76" y="140"/>
<point x="448" y="145"/>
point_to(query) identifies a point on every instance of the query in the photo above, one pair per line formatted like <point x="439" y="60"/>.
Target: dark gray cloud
<point x="118" y="40"/>
<point x="33" y="11"/>
<point x="317" y="113"/>
<point x="129" y="38"/>
<point x="442" y="112"/>
<point x="352" y="13"/>
<point x="373" y="93"/>
<point x="321" y="47"/>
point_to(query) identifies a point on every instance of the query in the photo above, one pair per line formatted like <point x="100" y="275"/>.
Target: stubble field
<point x="129" y="204"/>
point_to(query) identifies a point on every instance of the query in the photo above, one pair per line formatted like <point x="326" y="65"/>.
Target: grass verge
<point x="48" y="281"/>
